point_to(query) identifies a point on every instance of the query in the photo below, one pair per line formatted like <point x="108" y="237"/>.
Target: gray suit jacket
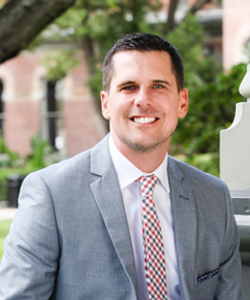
<point x="70" y="239"/>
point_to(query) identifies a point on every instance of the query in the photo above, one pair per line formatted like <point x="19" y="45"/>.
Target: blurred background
<point x="51" y="54"/>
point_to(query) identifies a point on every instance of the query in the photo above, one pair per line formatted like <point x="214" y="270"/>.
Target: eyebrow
<point x="162" y="81"/>
<point x="134" y="82"/>
<point x="125" y="83"/>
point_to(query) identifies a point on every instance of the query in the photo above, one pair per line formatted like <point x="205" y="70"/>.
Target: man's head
<point x="143" y="97"/>
<point x="143" y="42"/>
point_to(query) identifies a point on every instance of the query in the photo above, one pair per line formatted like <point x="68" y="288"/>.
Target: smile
<point x="144" y="120"/>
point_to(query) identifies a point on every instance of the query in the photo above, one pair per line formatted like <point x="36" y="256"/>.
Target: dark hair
<point x="143" y="42"/>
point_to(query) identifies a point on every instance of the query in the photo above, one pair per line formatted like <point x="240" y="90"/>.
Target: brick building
<point x="26" y="106"/>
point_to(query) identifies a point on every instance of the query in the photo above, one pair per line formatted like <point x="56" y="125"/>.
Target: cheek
<point x="120" y="108"/>
<point x="171" y="114"/>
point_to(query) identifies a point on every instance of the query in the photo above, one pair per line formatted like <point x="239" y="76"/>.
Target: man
<point x="83" y="231"/>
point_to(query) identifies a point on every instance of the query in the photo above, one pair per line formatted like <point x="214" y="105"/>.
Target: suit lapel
<point x="107" y="194"/>
<point x="185" y="228"/>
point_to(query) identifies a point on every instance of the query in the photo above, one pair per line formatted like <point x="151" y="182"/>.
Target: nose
<point x="143" y="98"/>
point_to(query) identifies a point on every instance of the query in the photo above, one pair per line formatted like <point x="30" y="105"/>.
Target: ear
<point x="183" y="103"/>
<point x="105" y="105"/>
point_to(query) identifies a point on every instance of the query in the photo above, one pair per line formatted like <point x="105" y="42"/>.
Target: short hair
<point x="143" y="42"/>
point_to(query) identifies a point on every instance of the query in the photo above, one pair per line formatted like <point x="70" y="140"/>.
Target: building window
<point x="247" y="49"/>
<point x="1" y="107"/>
<point x="52" y="127"/>
<point x="52" y="112"/>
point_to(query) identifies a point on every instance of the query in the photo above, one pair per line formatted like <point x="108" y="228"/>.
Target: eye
<point x="158" y="86"/>
<point x="129" y="88"/>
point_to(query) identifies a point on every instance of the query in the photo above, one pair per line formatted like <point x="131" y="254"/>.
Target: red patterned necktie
<point x="154" y="259"/>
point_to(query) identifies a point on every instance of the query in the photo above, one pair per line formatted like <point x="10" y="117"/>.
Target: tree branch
<point x="173" y="7"/>
<point x="171" y="12"/>
<point x="22" y="20"/>
<point x="197" y="5"/>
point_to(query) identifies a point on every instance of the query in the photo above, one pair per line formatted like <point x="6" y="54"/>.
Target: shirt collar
<point x="128" y="173"/>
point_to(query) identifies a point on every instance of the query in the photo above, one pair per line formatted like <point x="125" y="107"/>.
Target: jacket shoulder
<point x="74" y="164"/>
<point x="194" y="174"/>
<point x="84" y="166"/>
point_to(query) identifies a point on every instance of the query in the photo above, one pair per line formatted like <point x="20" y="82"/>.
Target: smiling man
<point x="123" y="220"/>
<point x="143" y="103"/>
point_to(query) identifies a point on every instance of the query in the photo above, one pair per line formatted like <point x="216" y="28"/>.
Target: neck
<point x="147" y="161"/>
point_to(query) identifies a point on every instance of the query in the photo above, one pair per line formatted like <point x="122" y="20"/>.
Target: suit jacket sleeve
<point x="29" y="264"/>
<point x="229" y="281"/>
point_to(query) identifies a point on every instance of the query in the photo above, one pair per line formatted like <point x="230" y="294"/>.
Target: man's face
<point x="143" y="102"/>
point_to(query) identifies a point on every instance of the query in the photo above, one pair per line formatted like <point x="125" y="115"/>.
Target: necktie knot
<point x="147" y="185"/>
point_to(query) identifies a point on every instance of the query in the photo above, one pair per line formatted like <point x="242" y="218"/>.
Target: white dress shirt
<point x="131" y="193"/>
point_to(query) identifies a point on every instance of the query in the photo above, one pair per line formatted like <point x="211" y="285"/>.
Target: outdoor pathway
<point x="7" y="213"/>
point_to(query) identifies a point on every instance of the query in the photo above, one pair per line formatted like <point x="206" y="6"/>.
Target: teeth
<point x="144" y="120"/>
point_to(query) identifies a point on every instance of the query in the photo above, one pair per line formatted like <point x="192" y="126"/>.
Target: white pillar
<point x="235" y="144"/>
<point x="235" y="171"/>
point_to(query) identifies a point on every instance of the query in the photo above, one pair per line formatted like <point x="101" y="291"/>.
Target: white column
<point x="235" y="144"/>
<point x="235" y="171"/>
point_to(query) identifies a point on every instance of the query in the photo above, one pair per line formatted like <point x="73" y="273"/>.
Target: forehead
<point x="135" y="55"/>
<point x="133" y="64"/>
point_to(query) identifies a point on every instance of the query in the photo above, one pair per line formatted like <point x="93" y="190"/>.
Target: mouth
<point x="144" y="120"/>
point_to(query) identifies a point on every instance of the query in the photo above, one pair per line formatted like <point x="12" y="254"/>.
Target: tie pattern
<point x="154" y="259"/>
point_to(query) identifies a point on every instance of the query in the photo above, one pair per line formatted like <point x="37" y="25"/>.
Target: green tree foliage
<point x="189" y="39"/>
<point x="98" y="24"/>
<point x="212" y="108"/>
<point x="12" y="156"/>
<point x="58" y="63"/>
<point x="104" y="21"/>
<point x="212" y="93"/>
<point x="39" y="150"/>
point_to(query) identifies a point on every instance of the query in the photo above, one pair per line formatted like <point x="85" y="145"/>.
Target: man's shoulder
<point x="72" y="163"/>
<point x="68" y="170"/>
<point x="79" y="163"/>
<point x="195" y="175"/>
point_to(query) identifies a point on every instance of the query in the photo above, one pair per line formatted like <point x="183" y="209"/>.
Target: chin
<point x="143" y="147"/>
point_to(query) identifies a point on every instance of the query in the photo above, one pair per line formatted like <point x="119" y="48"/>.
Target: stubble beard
<point x="143" y="148"/>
